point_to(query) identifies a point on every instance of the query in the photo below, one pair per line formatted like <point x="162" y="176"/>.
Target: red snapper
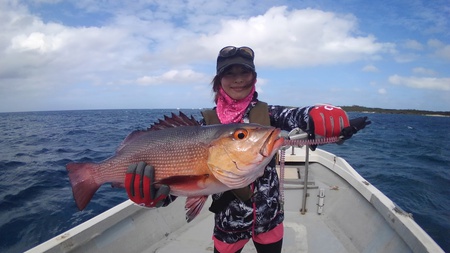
<point x="195" y="161"/>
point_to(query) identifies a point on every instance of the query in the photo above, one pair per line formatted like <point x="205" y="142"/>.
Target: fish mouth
<point x="273" y="143"/>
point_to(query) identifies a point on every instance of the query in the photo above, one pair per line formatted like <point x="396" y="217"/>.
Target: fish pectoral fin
<point x="177" y="180"/>
<point x="193" y="206"/>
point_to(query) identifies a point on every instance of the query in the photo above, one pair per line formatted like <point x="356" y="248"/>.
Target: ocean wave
<point x="10" y="164"/>
<point x="78" y="132"/>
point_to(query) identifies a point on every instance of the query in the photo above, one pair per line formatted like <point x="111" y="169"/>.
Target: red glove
<point x="327" y="121"/>
<point x="140" y="187"/>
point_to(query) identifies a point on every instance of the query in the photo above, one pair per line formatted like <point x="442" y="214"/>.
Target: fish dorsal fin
<point x="174" y="121"/>
<point x="167" y="122"/>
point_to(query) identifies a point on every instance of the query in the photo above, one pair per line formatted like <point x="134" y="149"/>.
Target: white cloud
<point x="370" y="68"/>
<point x="57" y="50"/>
<point x="421" y="82"/>
<point x="60" y="55"/>
<point x="45" y="59"/>
<point x="35" y="41"/>
<point x="444" y="52"/>
<point x="441" y="49"/>
<point x="306" y="37"/>
<point x="406" y="57"/>
<point x="382" y="91"/>
<point x="413" y="44"/>
<point x="424" y="71"/>
<point x="173" y="77"/>
<point x="435" y="43"/>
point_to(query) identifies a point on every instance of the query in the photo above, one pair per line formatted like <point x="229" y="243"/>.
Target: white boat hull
<point x="356" y="217"/>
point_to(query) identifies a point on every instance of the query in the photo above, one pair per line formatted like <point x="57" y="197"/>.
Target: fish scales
<point x="168" y="154"/>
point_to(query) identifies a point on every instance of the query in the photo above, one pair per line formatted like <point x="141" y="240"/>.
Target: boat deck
<point x="303" y="233"/>
<point x="309" y="232"/>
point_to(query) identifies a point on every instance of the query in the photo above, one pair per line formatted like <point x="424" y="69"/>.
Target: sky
<point x="148" y="54"/>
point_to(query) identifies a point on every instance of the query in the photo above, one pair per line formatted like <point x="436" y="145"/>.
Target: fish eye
<point x="240" y="134"/>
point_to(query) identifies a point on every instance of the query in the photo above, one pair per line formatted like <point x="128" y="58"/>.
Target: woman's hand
<point x="330" y="121"/>
<point x="139" y="183"/>
<point x="327" y="121"/>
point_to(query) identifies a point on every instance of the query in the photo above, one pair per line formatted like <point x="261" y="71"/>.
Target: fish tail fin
<point x="83" y="183"/>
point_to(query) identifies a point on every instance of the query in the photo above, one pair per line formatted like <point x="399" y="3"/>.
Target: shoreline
<point x="362" y="109"/>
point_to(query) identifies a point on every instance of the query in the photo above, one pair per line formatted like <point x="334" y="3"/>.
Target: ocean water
<point x="407" y="157"/>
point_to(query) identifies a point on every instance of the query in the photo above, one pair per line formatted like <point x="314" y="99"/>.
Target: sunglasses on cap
<point x="232" y="51"/>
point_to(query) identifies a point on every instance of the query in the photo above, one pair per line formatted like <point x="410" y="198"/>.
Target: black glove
<point x="355" y="125"/>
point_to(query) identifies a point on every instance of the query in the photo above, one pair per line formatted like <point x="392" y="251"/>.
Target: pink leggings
<point x="269" y="242"/>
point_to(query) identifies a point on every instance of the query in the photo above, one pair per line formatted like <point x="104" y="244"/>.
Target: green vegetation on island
<point x="357" y="108"/>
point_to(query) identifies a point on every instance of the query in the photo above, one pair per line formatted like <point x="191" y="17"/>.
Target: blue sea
<point x="407" y="157"/>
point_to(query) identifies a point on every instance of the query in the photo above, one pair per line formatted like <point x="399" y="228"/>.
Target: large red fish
<point x="195" y="161"/>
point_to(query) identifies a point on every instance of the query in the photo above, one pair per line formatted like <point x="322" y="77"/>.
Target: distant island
<point x="357" y="108"/>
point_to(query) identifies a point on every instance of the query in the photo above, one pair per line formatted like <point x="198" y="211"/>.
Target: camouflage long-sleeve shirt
<point x="261" y="213"/>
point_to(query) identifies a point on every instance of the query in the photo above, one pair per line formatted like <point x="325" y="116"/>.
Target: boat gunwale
<point x="403" y="224"/>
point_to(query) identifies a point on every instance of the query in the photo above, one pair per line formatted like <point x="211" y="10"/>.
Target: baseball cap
<point x="232" y="55"/>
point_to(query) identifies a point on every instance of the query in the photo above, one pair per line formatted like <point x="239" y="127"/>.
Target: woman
<point x="253" y="212"/>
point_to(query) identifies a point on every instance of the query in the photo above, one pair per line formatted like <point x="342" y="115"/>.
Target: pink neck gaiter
<point x="230" y="110"/>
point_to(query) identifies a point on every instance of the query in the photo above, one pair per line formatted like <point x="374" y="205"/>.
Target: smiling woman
<point x="238" y="82"/>
<point x="254" y="211"/>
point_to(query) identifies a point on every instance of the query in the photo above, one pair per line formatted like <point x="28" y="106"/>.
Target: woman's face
<point x="237" y="82"/>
